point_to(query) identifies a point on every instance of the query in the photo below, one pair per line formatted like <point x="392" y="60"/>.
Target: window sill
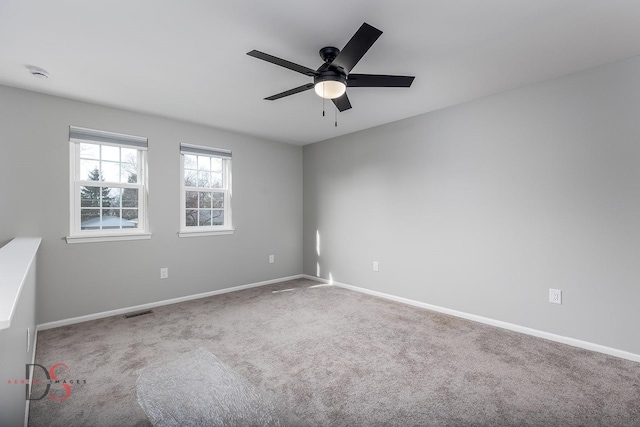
<point x="203" y="233"/>
<point x="108" y="238"/>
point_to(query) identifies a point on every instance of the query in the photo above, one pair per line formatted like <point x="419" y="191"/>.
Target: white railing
<point x="16" y="259"/>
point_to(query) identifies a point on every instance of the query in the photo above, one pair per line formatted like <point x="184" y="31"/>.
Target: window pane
<point x="204" y="179"/>
<point x="204" y="163"/>
<point x="114" y="195"/>
<point x="89" y="151"/>
<point x="90" y="170"/>
<point x="216" y="164"/>
<point x="110" y="219"/>
<point x="191" y="217"/>
<point x="105" y="197"/>
<point x="190" y="178"/>
<point x="129" y="166"/>
<point x="90" y="219"/>
<point x="111" y="171"/>
<point x="130" y="198"/>
<point x="129" y="155"/>
<point x="218" y="200"/>
<point x="110" y="153"/>
<point x="191" y="199"/>
<point x="217" y="218"/>
<point x="205" y="200"/>
<point x="128" y="175"/>
<point x="205" y="217"/>
<point x="190" y="161"/>
<point x="216" y="180"/>
<point x="129" y="218"/>
<point x="90" y="197"/>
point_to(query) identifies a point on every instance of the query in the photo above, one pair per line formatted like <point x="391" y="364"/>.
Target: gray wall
<point x="484" y="206"/>
<point x="80" y="279"/>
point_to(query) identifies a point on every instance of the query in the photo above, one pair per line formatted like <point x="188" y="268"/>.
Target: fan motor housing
<point x="330" y="74"/>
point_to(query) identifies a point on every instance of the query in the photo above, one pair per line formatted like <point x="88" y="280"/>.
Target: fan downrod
<point x="329" y="53"/>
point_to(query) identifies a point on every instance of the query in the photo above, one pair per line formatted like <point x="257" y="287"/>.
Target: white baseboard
<point x="488" y="321"/>
<point x="117" y="312"/>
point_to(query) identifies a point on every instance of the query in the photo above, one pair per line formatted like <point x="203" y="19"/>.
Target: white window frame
<point x="211" y="230"/>
<point x="79" y="135"/>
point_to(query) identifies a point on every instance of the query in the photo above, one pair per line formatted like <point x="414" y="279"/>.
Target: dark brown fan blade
<point x="291" y="92"/>
<point x="378" y="80"/>
<point x="342" y="103"/>
<point x="282" y="62"/>
<point x="355" y="49"/>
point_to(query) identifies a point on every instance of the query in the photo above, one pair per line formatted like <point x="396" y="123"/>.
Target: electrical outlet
<point x="555" y="296"/>
<point x="376" y="266"/>
<point x="272" y="259"/>
<point x="164" y="273"/>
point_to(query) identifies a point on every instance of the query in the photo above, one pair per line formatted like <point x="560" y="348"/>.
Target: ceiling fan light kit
<point x="332" y="78"/>
<point x="330" y="84"/>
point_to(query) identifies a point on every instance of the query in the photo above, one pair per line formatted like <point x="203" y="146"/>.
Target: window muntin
<point x="206" y="190"/>
<point x="108" y="184"/>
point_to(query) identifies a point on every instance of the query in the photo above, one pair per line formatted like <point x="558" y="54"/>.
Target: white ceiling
<point x="187" y="59"/>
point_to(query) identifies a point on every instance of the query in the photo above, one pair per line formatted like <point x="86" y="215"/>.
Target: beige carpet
<point x="332" y="357"/>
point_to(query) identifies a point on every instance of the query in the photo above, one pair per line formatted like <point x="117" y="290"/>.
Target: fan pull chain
<point x="336" y="110"/>
<point x="323" y="106"/>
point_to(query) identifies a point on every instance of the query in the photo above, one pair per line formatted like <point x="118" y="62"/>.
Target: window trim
<point x="82" y="135"/>
<point x="212" y="230"/>
<point x="107" y="238"/>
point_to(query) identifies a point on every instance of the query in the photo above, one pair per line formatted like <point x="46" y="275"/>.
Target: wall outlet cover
<point x="164" y="273"/>
<point x="555" y="296"/>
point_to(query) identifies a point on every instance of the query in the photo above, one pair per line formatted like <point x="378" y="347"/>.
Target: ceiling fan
<point x="333" y="77"/>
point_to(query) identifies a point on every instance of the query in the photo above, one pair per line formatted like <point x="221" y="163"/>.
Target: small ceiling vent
<point x="38" y="72"/>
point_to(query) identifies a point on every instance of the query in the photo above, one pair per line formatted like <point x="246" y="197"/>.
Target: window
<point x="108" y="186"/>
<point x="205" y="196"/>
